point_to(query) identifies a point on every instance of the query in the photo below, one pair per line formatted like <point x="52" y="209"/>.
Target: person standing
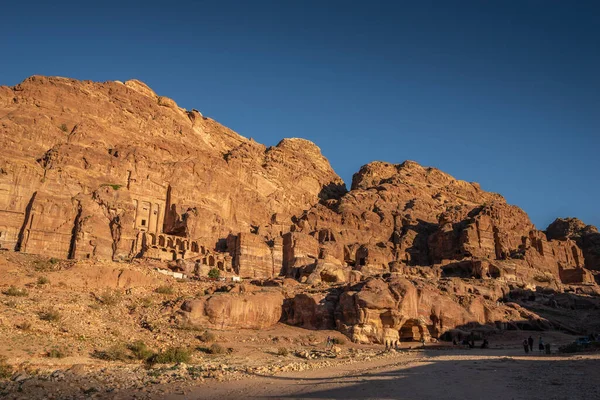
<point x="526" y="346"/>
<point x="541" y="345"/>
<point x="530" y="342"/>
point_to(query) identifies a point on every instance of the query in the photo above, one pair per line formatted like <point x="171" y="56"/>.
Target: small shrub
<point x="50" y="315"/>
<point x="117" y="352"/>
<point x="147" y="302"/>
<point x="5" y="369"/>
<point x="14" y="291"/>
<point x="187" y="326"/>
<point x="110" y="297"/>
<point x="57" y="352"/>
<point x="63" y="127"/>
<point x="50" y="264"/>
<point x="171" y="355"/>
<point x="165" y="289"/>
<point x="140" y="350"/>
<point x="214" y="273"/>
<point x="283" y="351"/>
<point x="42" y="280"/>
<point x="338" y="341"/>
<point x="216" y="348"/>
<point x="207" y="336"/>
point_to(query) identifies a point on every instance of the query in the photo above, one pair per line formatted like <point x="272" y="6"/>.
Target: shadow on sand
<point x="456" y="376"/>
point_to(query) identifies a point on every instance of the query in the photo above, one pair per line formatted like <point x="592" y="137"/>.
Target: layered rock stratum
<point x="113" y="171"/>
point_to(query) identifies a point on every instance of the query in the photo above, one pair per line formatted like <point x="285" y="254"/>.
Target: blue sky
<point x="504" y="93"/>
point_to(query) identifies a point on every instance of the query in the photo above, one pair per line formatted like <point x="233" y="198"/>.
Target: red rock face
<point x="114" y="171"/>
<point x="410" y="215"/>
<point x="226" y="311"/>
<point x="397" y="309"/>
<point x="586" y="237"/>
<point x="89" y="167"/>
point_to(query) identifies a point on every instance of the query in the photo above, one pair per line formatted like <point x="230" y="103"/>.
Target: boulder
<point x="257" y="310"/>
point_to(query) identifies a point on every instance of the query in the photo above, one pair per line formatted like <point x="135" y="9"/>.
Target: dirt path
<point x="490" y="375"/>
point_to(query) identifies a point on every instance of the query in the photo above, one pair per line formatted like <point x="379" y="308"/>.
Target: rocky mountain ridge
<point x="113" y="171"/>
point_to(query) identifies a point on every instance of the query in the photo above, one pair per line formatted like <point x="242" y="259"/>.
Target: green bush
<point x="117" y="352"/>
<point x="140" y="350"/>
<point x="63" y="127"/>
<point x="57" y="352"/>
<point x="188" y="326"/>
<point x="214" y="273"/>
<point x="14" y="291"/>
<point x="283" y="351"/>
<point x="5" y="370"/>
<point x="207" y="336"/>
<point x="43" y="265"/>
<point x="110" y="297"/>
<point x="338" y="341"/>
<point x="216" y="348"/>
<point x="171" y="355"/>
<point x="114" y="186"/>
<point x="50" y="315"/>
<point x="165" y="289"/>
<point x="146" y="302"/>
<point x="42" y="280"/>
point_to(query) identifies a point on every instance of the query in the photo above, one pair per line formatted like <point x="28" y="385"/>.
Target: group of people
<point x="528" y="345"/>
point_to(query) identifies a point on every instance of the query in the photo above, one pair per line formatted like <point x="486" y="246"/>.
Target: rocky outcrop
<point x="114" y="171"/>
<point x="586" y="237"/>
<point x="254" y="257"/>
<point x="74" y="184"/>
<point x="397" y="309"/>
<point x="234" y="311"/>
<point x="404" y="215"/>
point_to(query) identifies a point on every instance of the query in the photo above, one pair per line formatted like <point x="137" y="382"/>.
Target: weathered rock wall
<point x="87" y="166"/>
<point x="586" y="237"/>
<point x="113" y="171"/>
<point x="405" y="214"/>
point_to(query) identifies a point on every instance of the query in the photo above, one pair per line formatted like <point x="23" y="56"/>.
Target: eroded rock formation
<point x="114" y="171"/>
<point x="233" y="310"/>
<point x="586" y="237"/>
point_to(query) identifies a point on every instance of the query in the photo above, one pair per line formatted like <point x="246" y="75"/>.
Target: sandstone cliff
<point x="114" y="171"/>
<point x="406" y="215"/>
<point x="86" y="167"/>
<point x="586" y="237"/>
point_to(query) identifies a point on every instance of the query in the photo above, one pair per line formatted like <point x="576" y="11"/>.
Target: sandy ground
<point x="433" y="374"/>
<point x="253" y="366"/>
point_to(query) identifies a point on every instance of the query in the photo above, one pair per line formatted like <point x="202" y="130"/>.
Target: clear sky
<point x="504" y="93"/>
